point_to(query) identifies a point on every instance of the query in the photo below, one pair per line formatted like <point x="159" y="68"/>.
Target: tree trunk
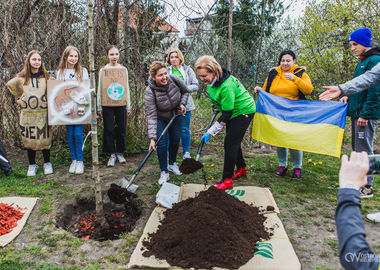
<point x="229" y="55"/>
<point x="94" y="127"/>
<point x="127" y="32"/>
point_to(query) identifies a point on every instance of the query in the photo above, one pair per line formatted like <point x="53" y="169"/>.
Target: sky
<point x="177" y="11"/>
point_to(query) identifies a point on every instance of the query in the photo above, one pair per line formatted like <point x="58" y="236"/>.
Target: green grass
<point x="308" y="199"/>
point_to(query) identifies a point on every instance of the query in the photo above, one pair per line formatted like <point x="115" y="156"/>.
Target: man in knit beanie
<point x="364" y="107"/>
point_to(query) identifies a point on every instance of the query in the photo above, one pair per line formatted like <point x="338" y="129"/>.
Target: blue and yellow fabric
<point x="307" y="125"/>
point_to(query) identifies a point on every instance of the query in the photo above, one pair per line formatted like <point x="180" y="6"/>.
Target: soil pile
<point x="80" y="219"/>
<point x="120" y="195"/>
<point x="190" y="165"/>
<point x="212" y="229"/>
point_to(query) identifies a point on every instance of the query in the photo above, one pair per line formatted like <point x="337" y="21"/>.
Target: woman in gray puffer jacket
<point x="164" y="96"/>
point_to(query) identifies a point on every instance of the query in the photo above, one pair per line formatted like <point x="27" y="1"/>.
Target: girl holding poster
<point x="113" y="99"/>
<point x="29" y="88"/>
<point x="71" y="69"/>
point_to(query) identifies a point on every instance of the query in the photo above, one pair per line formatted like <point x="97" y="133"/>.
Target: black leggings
<point x="235" y="130"/>
<point x="32" y="156"/>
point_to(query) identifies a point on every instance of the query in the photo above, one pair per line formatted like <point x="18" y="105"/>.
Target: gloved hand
<point x="206" y="137"/>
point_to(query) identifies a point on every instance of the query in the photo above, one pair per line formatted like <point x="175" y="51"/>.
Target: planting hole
<point x="80" y="219"/>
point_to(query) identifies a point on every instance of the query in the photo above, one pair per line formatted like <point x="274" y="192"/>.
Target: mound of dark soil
<point x="80" y="219"/>
<point x="120" y="195"/>
<point x="190" y="165"/>
<point x="212" y="229"/>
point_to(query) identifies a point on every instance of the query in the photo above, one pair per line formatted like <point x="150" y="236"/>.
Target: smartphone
<point x="374" y="164"/>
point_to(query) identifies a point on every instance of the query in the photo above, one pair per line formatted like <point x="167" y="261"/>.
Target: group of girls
<point x="30" y="89"/>
<point x="168" y="93"/>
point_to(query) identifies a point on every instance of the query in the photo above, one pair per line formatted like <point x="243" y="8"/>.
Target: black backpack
<point x="273" y="73"/>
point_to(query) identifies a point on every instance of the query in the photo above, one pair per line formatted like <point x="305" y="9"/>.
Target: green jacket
<point x="230" y="97"/>
<point x="367" y="103"/>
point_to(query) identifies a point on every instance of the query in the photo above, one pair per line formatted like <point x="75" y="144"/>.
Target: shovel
<point x="128" y="185"/>
<point x="189" y="165"/>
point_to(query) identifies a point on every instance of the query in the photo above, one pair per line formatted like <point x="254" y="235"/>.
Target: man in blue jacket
<point x="364" y="107"/>
<point x="354" y="251"/>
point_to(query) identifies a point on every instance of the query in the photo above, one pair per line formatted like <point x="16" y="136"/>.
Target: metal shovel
<point x="215" y="112"/>
<point x="124" y="183"/>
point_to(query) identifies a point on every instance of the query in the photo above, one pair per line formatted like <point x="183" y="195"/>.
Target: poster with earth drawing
<point x="69" y="102"/>
<point x="114" y="87"/>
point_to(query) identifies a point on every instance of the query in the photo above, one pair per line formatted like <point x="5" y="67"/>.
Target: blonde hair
<point x="154" y="67"/>
<point x="26" y="72"/>
<point x="63" y="63"/>
<point x="179" y="54"/>
<point x="209" y="62"/>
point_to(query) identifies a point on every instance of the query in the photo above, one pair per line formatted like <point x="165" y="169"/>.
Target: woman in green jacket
<point x="237" y="106"/>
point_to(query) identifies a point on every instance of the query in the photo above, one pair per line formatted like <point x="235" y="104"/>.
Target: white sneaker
<point x="374" y="217"/>
<point x="186" y="155"/>
<point x="80" y="167"/>
<point x="48" y="168"/>
<point x="120" y="158"/>
<point x="174" y="169"/>
<point x="111" y="161"/>
<point x="73" y="166"/>
<point x="164" y="177"/>
<point x="32" y="170"/>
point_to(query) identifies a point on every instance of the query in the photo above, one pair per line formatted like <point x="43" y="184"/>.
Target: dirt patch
<point x="80" y="219"/>
<point x="211" y="223"/>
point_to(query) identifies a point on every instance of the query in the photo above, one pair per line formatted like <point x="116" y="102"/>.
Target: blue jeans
<point x="174" y="133"/>
<point x="295" y="156"/>
<point x="186" y="136"/>
<point x="75" y="140"/>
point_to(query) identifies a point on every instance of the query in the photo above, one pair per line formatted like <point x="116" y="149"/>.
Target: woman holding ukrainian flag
<point x="237" y="106"/>
<point x="290" y="81"/>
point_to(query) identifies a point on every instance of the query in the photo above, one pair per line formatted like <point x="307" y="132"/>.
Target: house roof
<point x="162" y="24"/>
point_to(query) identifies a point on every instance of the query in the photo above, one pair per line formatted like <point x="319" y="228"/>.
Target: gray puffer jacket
<point x="164" y="103"/>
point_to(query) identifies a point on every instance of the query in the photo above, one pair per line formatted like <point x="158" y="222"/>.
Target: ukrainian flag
<point x="308" y="125"/>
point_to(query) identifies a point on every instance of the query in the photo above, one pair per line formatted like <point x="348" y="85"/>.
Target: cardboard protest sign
<point x="275" y="253"/>
<point x="69" y="102"/>
<point x="114" y="87"/>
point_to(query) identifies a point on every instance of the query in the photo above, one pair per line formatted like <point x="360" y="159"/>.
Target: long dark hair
<point x="291" y="53"/>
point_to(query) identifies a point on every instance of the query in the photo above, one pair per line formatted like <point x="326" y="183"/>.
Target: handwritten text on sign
<point x="114" y="87"/>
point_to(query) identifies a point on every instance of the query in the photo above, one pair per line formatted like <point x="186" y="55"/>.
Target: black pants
<point x="115" y="129"/>
<point x="233" y="155"/>
<point x="4" y="165"/>
<point x="32" y="156"/>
